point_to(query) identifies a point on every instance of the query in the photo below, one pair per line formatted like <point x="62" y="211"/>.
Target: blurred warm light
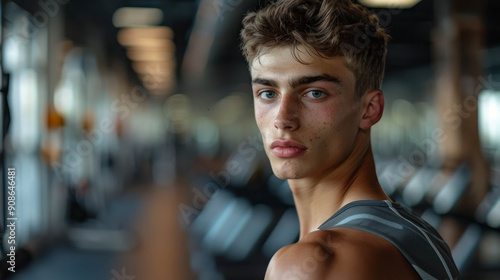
<point x="54" y="119"/>
<point x="152" y="55"/>
<point x="165" y="48"/>
<point x="128" y="35"/>
<point x="402" y="4"/>
<point x="50" y="152"/>
<point x="133" y="16"/>
<point x="88" y="122"/>
<point x="151" y="51"/>
<point x="151" y="43"/>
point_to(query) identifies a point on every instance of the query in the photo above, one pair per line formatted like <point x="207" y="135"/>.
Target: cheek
<point x="329" y="117"/>
<point x="263" y="121"/>
<point x="333" y="126"/>
<point x="259" y="117"/>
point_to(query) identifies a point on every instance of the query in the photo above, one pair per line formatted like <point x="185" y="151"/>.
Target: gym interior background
<point x="129" y="148"/>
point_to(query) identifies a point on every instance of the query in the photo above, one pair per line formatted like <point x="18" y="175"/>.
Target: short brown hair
<point x="326" y="28"/>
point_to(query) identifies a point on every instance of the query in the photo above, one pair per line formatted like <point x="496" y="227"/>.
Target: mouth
<point x="287" y="148"/>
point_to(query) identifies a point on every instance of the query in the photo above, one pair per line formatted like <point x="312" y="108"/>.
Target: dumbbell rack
<point x="245" y="223"/>
<point x="434" y="205"/>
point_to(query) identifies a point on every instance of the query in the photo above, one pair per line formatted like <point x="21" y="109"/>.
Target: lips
<point x="287" y="148"/>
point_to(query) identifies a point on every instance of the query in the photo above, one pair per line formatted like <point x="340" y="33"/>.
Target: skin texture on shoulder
<point x="340" y="253"/>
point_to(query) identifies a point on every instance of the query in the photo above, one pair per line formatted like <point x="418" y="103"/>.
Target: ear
<point x="373" y="107"/>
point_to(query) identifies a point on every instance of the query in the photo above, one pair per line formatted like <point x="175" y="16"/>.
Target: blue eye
<point x="267" y="94"/>
<point x="315" y="94"/>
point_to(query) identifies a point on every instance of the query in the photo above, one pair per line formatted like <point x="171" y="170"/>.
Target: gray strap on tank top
<point x="419" y="242"/>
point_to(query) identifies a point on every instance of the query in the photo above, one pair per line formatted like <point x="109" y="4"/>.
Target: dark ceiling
<point x="410" y="30"/>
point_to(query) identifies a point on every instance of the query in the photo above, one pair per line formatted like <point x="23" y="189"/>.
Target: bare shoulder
<point x="340" y="253"/>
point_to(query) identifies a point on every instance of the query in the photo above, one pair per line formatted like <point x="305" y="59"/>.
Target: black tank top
<point x="418" y="241"/>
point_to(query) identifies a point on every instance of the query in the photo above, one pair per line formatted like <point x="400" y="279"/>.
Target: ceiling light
<point x="133" y="17"/>
<point x="147" y="43"/>
<point x="147" y="32"/>
<point x="150" y="37"/>
<point x="149" y="55"/>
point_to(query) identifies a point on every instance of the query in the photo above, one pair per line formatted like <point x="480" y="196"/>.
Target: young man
<point x="317" y="68"/>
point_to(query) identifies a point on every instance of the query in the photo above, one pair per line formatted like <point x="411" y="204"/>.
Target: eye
<point x="267" y="94"/>
<point x="315" y="94"/>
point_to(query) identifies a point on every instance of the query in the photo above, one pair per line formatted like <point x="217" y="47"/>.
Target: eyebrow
<point x="299" y="81"/>
<point x="265" y="82"/>
<point x="311" y="79"/>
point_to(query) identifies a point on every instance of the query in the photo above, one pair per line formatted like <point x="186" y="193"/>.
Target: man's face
<point x="308" y="114"/>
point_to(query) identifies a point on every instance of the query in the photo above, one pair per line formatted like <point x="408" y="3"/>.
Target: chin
<point x="282" y="176"/>
<point x="285" y="173"/>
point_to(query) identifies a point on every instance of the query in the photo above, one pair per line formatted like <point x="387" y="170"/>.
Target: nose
<point x="288" y="117"/>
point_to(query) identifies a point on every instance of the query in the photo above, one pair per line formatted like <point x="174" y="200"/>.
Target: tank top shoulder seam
<point x="375" y="203"/>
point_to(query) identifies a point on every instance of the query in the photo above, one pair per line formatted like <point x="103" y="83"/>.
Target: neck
<point x="316" y="199"/>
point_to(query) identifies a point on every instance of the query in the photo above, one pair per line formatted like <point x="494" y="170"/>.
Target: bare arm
<point x="340" y="254"/>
